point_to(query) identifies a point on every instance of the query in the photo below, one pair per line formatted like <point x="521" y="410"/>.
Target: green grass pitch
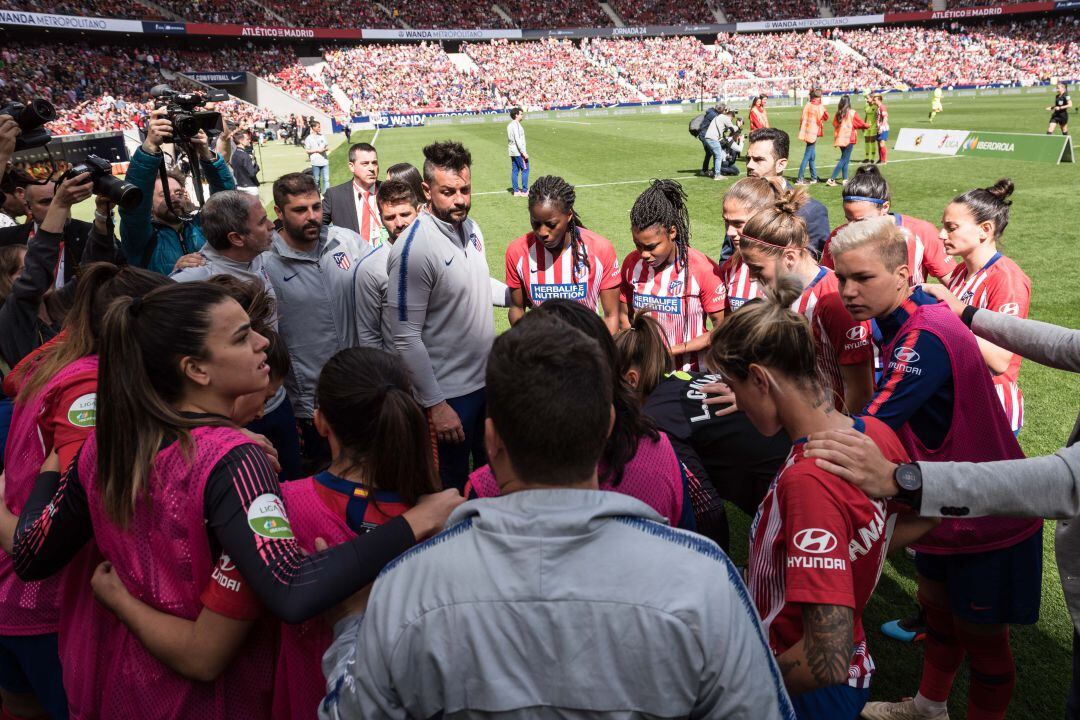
<point x="611" y="161"/>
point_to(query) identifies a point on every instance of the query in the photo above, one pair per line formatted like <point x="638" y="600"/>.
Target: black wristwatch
<point x="908" y="478"/>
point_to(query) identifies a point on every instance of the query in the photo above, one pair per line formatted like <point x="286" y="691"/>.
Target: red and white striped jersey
<point x="839" y="339"/>
<point x="680" y="301"/>
<point x="819" y="540"/>
<point x="926" y="251"/>
<point x="740" y="285"/>
<point x="1001" y="286"/>
<point x="541" y="275"/>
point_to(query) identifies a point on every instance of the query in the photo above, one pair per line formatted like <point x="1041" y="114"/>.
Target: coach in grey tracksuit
<point x="316" y="314"/>
<point x="438" y="308"/>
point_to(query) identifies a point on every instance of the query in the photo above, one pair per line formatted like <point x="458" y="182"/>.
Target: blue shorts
<point x="835" y="702"/>
<point x="883" y="136"/>
<point x="1000" y="587"/>
<point x="30" y="665"/>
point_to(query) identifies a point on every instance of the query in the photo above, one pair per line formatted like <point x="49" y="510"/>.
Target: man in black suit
<point x="245" y="169"/>
<point x="76" y="232"/>
<point x="352" y="204"/>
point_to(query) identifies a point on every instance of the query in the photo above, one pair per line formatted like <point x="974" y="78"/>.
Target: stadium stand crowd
<point x="548" y="73"/>
<point x="424" y="79"/>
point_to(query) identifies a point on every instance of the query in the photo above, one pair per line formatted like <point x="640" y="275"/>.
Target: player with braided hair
<point x="679" y="285"/>
<point x="560" y="258"/>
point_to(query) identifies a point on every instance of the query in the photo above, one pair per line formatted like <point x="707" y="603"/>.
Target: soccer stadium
<point x="726" y="187"/>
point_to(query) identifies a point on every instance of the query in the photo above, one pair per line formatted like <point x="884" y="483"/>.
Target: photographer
<point x="13" y="186"/>
<point x="76" y="235"/>
<point x="724" y="138"/>
<point x="34" y="310"/>
<point x="152" y="236"/>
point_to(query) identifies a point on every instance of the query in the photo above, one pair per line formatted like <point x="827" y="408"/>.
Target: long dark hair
<point x="842" y="107"/>
<point x="139" y="379"/>
<point x="643" y="346"/>
<point x="99" y="284"/>
<point x="631" y="424"/>
<point x="664" y="204"/>
<point x="553" y="189"/>
<point x="366" y="397"/>
<point x="990" y="204"/>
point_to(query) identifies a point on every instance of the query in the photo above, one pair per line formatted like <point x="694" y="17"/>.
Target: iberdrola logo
<point x="972" y="143"/>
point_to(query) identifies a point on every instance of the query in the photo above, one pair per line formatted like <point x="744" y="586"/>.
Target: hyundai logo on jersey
<point x="857" y="333"/>
<point x="815" y="540"/>
<point x="906" y="355"/>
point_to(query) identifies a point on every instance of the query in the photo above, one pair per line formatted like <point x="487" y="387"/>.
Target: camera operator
<point x="152" y="236"/>
<point x="732" y="143"/>
<point x="76" y="236"/>
<point x="721" y="136"/>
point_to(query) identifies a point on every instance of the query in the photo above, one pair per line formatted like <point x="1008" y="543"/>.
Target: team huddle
<point x="289" y="470"/>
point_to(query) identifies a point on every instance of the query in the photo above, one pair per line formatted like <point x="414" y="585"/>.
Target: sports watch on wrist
<point x="908" y="478"/>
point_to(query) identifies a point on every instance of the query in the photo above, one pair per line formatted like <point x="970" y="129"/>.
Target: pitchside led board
<point x="1051" y="149"/>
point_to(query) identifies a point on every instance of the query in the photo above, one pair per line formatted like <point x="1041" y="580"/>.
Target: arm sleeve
<point x="1046" y="344"/>
<point x="1009" y="295"/>
<point x="357" y="673"/>
<point x="513" y="277"/>
<point x="713" y="289"/>
<point x="848" y="336"/>
<point x="101" y="248"/>
<point x="626" y="287"/>
<point x="294" y="587"/>
<point x="822" y="578"/>
<point x="899" y="392"/>
<point x="369" y="308"/>
<point x="500" y="293"/>
<point x="53" y="525"/>
<point x="73" y="417"/>
<point x="135" y="224"/>
<point x="740" y="678"/>
<point x="42" y="254"/>
<point x="327" y="209"/>
<point x="610" y="262"/>
<point x="935" y="261"/>
<point x="227" y="594"/>
<point x="1034" y="487"/>
<point x="218" y="174"/>
<point x="407" y="294"/>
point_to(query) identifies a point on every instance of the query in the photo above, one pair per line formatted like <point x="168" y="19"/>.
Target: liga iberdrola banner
<point x="1051" y="149"/>
<point x="930" y="140"/>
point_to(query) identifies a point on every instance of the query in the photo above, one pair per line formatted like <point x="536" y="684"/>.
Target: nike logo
<point x="290" y="277"/>
<point x="448" y="262"/>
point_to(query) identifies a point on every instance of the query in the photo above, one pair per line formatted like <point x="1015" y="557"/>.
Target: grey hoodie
<point x="316" y="312"/>
<point x="556" y="603"/>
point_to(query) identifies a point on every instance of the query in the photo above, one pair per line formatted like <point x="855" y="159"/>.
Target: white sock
<point x="928" y="708"/>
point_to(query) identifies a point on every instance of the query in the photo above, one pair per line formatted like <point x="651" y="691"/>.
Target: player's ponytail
<point x="643" y="347"/>
<point x="768" y="332"/>
<point x="555" y="190"/>
<point x="990" y="204"/>
<point x="366" y="398"/>
<point x="776" y="228"/>
<point x="867" y="185"/>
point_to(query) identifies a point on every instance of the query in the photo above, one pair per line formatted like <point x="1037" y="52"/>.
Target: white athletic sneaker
<point x="903" y="710"/>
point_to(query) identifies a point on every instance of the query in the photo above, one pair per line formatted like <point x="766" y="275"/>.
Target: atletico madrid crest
<point x="342" y="260"/>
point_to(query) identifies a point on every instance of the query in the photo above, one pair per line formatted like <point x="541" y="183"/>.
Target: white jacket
<point x="515" y="139"/>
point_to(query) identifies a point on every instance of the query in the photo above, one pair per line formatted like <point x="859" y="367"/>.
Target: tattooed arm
<point x="823" y="656"/>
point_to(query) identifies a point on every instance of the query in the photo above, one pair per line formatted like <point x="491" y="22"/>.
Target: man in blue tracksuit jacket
<point x="151" y="236"/>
